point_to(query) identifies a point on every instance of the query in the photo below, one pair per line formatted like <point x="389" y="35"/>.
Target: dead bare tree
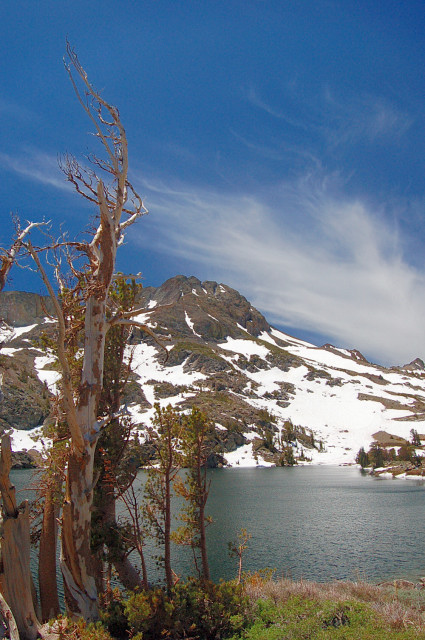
<point x="15" y="575"/>
<point x="119" y="207"/>
<point x="9" y="256"/>
<point x="17" y="606"/>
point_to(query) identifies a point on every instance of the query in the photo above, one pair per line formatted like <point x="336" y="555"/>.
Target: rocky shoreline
<point x="401" y="468"/>
<point x="31" y="459"/>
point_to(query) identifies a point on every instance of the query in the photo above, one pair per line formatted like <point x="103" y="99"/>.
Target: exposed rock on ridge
<point x="19" y="308"/>
<point x="270" y="395"/>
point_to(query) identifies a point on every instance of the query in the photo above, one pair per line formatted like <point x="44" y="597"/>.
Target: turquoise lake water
<point x="318" y="523"/>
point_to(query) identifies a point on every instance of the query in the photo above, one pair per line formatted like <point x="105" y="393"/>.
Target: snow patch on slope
<point x="24" y="440"/>
<point x="244" y="457"/>
<point x="190" y="324"/>
<point x="48" y="376"/>
<point x="7" y="333"/>
<point x="245" y="348"/>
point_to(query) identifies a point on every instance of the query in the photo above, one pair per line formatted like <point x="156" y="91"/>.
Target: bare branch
<point x="90" y="91"/>
<point x="111" y="133"/>
<point x="143" y="327"/>
<point x="127" y="314"/>
<point x="68" y="391"/>
<point x="10" y="256"/>
<point x="101" y="424"/>
<point x="124" y="276"/>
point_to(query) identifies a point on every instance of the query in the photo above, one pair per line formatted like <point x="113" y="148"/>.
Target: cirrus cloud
<point x="306" y="255"/>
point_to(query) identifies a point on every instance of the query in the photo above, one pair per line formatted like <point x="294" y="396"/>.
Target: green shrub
<point x="192" y="610"/>
<point x="65" y="629"/>
<point x="113" y="615"/>
<point x="301" y="618"/>
<point x="362" y="458"/>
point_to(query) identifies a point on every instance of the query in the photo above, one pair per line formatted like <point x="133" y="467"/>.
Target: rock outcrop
<point x="272" y="397"/>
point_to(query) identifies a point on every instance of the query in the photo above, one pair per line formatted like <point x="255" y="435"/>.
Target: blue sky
<point x="278" y="145"/>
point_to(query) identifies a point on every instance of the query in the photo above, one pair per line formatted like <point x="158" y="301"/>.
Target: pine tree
<point x="238" y="547"/>
<point x="416" y="441"/>
<point x="376" y="455"/>
<point x="195" y="436"/>
<point x="165" y="435"/>
<point x="362" y="458"/>
<point x="115" y="475"/>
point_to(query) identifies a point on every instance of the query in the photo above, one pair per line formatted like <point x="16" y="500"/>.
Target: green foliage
<point x="212" y="612"/>
<point x="66" y="629"/>
<point x="415" y="439"/>
<point x="376" y="455"/>
<point x="362" y="458"/>
<point x="114" y="467"/>
<point x="287" y="458"/>
<point x="196" y="432"/>
<point x="407" y="453"/>
<point x="268" y="439"/>
<point x="112" y="614"/>
<point x="238" y="547"/>
<point x="288" y="433"/>
<point x="265" y="418"/>
<point x="300" y="618"/>
<point x="164" y="435"/>
<point x="191" y="610"/>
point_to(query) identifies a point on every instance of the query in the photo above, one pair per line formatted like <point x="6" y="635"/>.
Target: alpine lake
<point x="318" y="523"/>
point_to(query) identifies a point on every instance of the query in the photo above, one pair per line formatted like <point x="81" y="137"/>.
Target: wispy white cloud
<point x="306" y="255"/>
<point x="259" y="149"/>
<point x="36" y="165"/>
<point x="258" y="101"/>
<point x="366" y="117"/>
<point x="340" y="120"/>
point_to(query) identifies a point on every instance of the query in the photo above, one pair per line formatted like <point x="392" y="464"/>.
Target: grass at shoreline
<point x="357" y="610"/>
<point x="262" y="609"/>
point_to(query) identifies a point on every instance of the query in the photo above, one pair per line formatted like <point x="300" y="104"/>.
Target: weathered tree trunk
<point x="76" y="558"/>
<point x="8" y="621"/>
<point x="128" y="575"/>
<point x="16" y="581"/>
<point x="78" y="567"/>
<point x="167" y="532"/>
<point x="49" y="599"/>
<point x="202" y="528"/>
<point x="93" y="280"/>
<point x="127" y="572"/>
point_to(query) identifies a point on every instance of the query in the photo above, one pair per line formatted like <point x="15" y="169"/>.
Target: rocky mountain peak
<point x="204" y="310"/>
<point x="347" y="353"/>
<point x="415" y="365"/>
<point x="269" y="394"/>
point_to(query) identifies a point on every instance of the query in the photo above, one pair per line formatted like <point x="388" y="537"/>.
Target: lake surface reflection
<point x="318" y="523"/>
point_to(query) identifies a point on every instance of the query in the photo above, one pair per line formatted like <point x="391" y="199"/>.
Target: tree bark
<point x="76" y="558"/>
<point x="8" y="620"/>
<point x="128" y="575"/>
<point x="16" y="581"/>
<point x="49" y="599"/>
<point x="202" y="529"/>
<point x="167" y="532"/>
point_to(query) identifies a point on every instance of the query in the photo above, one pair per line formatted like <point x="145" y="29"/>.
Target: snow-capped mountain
<point x="266" y="391"/>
